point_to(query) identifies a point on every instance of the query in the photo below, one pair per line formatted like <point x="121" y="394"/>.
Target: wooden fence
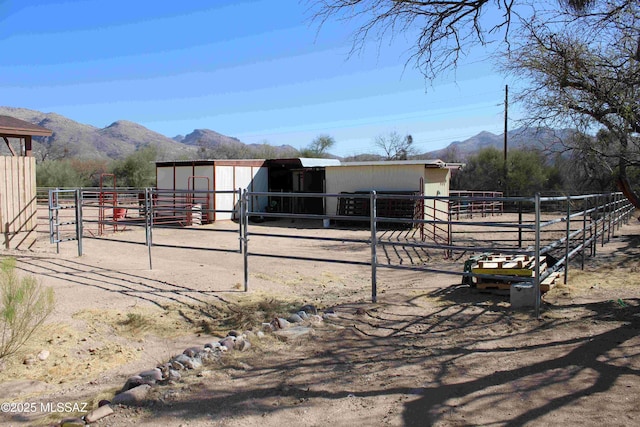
<point x="18" y="207"/>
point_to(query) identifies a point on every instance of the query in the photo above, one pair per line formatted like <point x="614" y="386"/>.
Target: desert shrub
<point x="24" y="306"/>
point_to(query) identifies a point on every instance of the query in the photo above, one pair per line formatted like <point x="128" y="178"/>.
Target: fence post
<point x="245" y="238"/>
<point x="536" y="281"/>
<point x="374" y="244"/>
<point x="79" y="229"/>
<point x="610" y="229"/>
<point x="566" y="248"/>
<point x="594" y="243"/>
<point x="148" y="221"/>
<point x="585" y="207"/>
<point x="241" y="202"/>
<point x="520" y="224"/>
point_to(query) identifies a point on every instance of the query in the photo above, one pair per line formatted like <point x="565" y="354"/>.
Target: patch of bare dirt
<point x="430" y="352"/>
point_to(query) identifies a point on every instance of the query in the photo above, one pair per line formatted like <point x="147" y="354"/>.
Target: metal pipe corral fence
<point x="556" y="228"/>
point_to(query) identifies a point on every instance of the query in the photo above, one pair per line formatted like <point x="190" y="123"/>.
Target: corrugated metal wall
<point x="373" y="177"/>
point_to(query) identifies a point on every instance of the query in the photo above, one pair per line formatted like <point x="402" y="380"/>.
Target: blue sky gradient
<point x="258" y="70"/>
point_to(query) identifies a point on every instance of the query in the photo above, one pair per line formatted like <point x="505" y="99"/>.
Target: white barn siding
<point x="203" y="180"/>
<point x="182" y="176"/>
<point x="380" y="177"/>
<point x="225" y="181"/>
<point x="224" y="176"/>
<point x="164" y="178"/>
<point x="436" y="183"/>
<point x="260" y="184"/>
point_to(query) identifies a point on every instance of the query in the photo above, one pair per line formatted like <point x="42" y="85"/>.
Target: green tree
<point x="138" y="169"/>
<point x="319" y="147"/>
<point x="483" y="172"/>
<point x="528" y="172"/>
<point x="65" y="173"/>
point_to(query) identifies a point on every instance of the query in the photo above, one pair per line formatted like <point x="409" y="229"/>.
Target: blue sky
<point x="258" y="70"/>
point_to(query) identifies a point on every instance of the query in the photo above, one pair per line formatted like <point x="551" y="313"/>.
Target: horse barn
<point x="183" y="181"/>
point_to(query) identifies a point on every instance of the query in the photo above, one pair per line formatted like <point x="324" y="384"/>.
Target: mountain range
<point x="122" y="138"/>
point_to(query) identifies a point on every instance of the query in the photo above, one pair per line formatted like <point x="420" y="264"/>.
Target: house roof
<point x="210" y="162"/>
<point x="435" y="163"/>
<point x="304" y="162"/>
<point x="12" y="127"/>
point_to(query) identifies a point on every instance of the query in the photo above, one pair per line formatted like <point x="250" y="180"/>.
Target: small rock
<point x="268" y="327"/>
<point x="164" y="370"/>
<point x="29" y="360"/>
<point x="282" y="323"/>
<point x="174" y="375"/>
<point x="182" y="358"/>
<point x="260" y="335"/>
<point x="194" y="364"/>
<point x="243" y="345"/>
<point x="330" y="315"/>
<point x="152" y="374"/>
<point x="233" y="334"/>
<point x="293" y="333"/>
<point x="177" y="365"/>
<point x="309" y="309"/>
<point x="98" y="414"/>
<point x="135" y="381"/>
<point x="103" y="402"/>
<point x="294" y="318"/>
<point x="133" y="396"/>
<point x="43" y="355"/>
<point x="72" y="422"/>
<point x="192" y="351"/>
<point x="228" y="342"/>
<point x="213" y="345"/>
<point x="303" y="315"/>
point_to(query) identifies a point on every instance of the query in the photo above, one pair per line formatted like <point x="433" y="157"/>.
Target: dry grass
<point x="137" y="322"/>
<point x="246" y="313"/>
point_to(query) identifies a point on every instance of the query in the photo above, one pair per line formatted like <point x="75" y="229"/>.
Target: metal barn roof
<point x="436" y="163"/>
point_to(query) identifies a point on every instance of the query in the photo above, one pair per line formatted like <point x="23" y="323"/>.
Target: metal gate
<point x="65" y="217"/>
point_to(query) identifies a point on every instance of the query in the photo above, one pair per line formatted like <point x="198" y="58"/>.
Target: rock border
<point x="137" y="387"/>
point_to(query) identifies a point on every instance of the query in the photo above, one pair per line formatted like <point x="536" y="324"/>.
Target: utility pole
<point x="506" y="116"/>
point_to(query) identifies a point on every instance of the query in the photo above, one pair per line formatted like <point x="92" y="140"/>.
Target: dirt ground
<point x="430" y="352"/>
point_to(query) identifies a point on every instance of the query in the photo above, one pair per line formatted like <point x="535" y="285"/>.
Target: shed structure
<point x="18" y="208"/>
<point x="298" y="175"/>
<point x="210" y="185"/>
<point x="412" y="177"/>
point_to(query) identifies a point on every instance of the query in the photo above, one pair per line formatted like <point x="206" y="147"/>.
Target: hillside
<point x="77" y="140"/>
<point x="536" y="138"/>
<point x="121" y="138"/>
